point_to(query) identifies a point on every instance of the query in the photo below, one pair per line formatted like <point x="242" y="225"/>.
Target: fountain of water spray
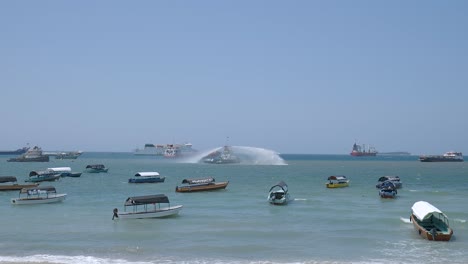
<point x="247" y="156"/>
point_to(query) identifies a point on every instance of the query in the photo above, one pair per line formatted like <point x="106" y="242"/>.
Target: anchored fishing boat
<point x="198" y="185"/>
<point x="38" y="195"/>
<point x="430" y="222"/>
<point x="148" y="206"/>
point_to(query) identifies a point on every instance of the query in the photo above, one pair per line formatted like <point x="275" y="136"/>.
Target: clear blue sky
<point x="291" y="76"/>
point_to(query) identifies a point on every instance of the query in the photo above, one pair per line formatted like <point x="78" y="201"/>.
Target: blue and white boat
<point x="147" y="177"/>
<point x="65" y="172"/>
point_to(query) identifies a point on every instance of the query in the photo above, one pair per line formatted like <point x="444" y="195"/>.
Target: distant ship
<point x="14" y="152"/>
<point x="450" y="156"/>
<point x="33" y="155"/>
<point x="362" y="150"/>
<point x="163" y="150"/>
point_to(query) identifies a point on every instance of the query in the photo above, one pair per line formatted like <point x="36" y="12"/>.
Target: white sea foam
<point x="405" y="220"/>
<point x="65" y="260"/>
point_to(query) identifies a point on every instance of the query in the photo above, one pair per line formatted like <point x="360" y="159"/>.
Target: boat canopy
<point x="147" y="174"/>
<point x="48" y="189"/>
<point x="95" y="166"/>
<point x="4" y="179"/>
<point x="148" y="199"/>
<point x="281" y="185"/>
<point x="388" y="185"/>
<point x="38" y="173"/>
<point x="424" y="210"/>
<point x="337" y="178"/>
<point x="389" y="178"/>
<point x="199" y="181"/>
<point x="60" y="169"/>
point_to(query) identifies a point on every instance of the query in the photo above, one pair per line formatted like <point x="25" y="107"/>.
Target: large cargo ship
<point x="162" y="150"/>
<point x="450" y="156"/>
<point x="363" y="150"/>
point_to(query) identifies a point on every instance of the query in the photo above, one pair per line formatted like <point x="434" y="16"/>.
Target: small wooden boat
<point x="40" y="176"/>
<point x="337" y="182"/>
<point x="96" y="168"/>
<point x="147" y="177"/>
<point x="199" y="185"/>
<point x="148" y="206"/>
<point x="430" y="222"/>
<point x="10" y="183"/>
<point x="38" y="195"/>
<point x="395" y="179"/>
<point x="278" y="194"/>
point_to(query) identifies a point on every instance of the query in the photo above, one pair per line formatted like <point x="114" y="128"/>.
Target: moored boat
<point x="139" y="207"/>
<point x="202" y="184"/>
<point x="337" y="181"/>
<point x="68" y="155"/>
<point x="388" y="190"/>
<point x="363" y="150"/>
<point x="394" y="179"/>
<point x="451" y="156"/>
<point x="147" y="177"/>
<point x="278" y="194"/>
<point x="65" y="172"/>
<point x="430" y="222"/>
<point x="10" y="183"/>
<point x="96" y="168"/>
<point x="38" y="195"/>
<point x="40" y="176"/>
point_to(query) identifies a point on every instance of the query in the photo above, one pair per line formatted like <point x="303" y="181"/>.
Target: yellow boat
<point x="337" y="182"/>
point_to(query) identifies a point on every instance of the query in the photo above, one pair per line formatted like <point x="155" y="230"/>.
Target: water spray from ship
<point x="245" y="155"/>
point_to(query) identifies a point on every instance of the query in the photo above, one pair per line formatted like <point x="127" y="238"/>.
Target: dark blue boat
<point x="147" y="177"/>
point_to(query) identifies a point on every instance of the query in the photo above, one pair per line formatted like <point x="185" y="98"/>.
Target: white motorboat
<point x="148" y="206"/>
<point x="278" y="194"/>
<point x="38" y="195"/>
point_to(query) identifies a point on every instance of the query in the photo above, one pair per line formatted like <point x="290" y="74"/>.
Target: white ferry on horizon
<point x="451" y="156"/>
<point x="162" y="150"/>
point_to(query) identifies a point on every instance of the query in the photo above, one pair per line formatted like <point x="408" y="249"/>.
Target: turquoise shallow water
<point x="237" y="225"/>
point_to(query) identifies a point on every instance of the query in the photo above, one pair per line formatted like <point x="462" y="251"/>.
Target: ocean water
<point x="238" y="225"/>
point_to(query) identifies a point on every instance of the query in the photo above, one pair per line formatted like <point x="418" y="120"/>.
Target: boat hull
<point x="387" y="194"/>
<point x="428" y="234"/>
<point x="282" y="201"/>
<point x="337" y="185"/>
<point x="97" y="170"/>
<point x="201" y="188"/>
<point x="51" y="199"/>
<point x="149" y="180"/>
<point x="363" y="154"/>
<point x="439" y="159"/>
<point x="166" y="212"/>
<point x="17" y="187"/>
<point x="42" y="178"/>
